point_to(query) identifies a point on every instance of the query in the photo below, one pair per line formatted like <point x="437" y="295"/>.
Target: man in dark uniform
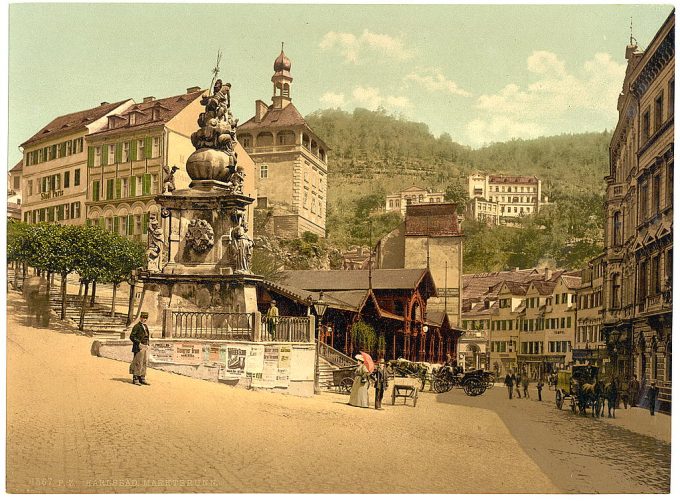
<point x="380" y="379"/>
<point x="140" y="343"/>
<point x="651" y="395"/>
<point x="510" y="383"/>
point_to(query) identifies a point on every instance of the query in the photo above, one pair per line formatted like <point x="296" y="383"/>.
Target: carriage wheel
<point x="472" y="386"/>
<point x="440" y="385"/>
<point x="559" y="399"/>
<point x="479" y="388"/>
<point x="346" y="385"/>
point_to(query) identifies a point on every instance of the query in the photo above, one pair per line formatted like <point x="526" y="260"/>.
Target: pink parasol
<point x="368" y="362"/>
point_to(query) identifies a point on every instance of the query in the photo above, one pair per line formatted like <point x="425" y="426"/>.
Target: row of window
<point x="593" y="300"/>
<point x="589" y="334"/>
<point x="522" y="210"/>
<point x="55" y="151"/>
<point x="661" y="113"/>
<point x="126" y="225"/>
<point x="514" y="199"/>
<point x="531" y="347"/>
<point x="513" y="189"/>
<point x="56" y="213"/>
<point x="287" y="137"/>
<point x="122" y="152"/>
<point x="649" y="278"/>
<point x="53" y="182"/>
<point x="126" y="187"/>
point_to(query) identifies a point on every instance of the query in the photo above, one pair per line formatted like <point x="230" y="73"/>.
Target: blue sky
<point x="481" y="73"/>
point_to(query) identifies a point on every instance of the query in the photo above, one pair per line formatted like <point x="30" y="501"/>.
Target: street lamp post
<point x="320" y="308"/>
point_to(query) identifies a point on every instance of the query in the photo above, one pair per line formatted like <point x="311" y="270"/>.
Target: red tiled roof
<point x="571" y="282"/>
<point x="168" y="108"/>
<point x="72" y="122"/>
<point x="433" y="219"/>
<point x="509" y="179"/>
<point x="476" y="285"/>
<point x="287" y="116"/>
<point x="543" y="287"/>
<point x="17" y="167"/>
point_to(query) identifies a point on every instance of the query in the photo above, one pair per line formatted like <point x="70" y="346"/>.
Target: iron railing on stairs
<point x="334" y="356"/>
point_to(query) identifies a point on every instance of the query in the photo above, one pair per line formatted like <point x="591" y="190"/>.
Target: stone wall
<point x="286" y="368"/>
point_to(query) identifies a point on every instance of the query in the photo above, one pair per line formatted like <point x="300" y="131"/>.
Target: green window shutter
<point x="146" y="184"/>
<point x="90" y="157"/>
<point x="100" y="222"/>
<point x="133" y="150"/>
<point x="109" y="189"/>
<point x="119" y="188"/>
<point x="145" y="223"/>
<point x="147" y="147"/>
<point x="133" y="186"/>
<point x="130" y="225"/>
<point x="95" y="190"/>
<point x="119" y="151"/>
<point x="105" y="155"/>
<point x="116" y="225"/>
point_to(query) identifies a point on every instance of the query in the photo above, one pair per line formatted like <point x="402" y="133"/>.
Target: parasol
<point x="368" y="362"/>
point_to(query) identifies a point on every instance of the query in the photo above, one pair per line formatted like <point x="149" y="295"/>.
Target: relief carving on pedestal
<point x="200" y="235"/>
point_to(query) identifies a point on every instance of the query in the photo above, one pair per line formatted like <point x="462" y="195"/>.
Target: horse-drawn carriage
<point x="581" y="387"/>
<point x="473" y="383"/>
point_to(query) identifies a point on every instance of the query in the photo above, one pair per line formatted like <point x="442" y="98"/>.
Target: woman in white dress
<point x="359" y="394"/>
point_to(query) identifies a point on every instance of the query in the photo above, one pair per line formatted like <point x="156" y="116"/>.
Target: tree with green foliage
<point x="126" y="256"/>
<point x="363" y="336"/>
<point x="457" y="194"/>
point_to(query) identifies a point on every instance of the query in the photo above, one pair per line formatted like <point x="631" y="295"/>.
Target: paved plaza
<point x="76" y="424"/>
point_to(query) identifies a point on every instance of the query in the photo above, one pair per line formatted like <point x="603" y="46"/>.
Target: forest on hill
<point x="373" y="154"/>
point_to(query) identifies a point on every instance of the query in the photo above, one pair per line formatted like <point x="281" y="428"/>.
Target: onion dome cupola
<point x="282" y="80"/>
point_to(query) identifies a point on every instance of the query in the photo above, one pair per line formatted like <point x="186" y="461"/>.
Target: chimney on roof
<point x="260" y="110"/>
<point x="104" y="103"/>
<point x="148" y="99"/>
<point x="193" y="89"/>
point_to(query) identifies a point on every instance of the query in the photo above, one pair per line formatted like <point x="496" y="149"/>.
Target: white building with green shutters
<point x="125" y="160"/>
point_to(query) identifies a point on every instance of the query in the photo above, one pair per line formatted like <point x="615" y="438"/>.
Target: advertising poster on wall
<point x="213" y="354"/>
<point x="161" y="352"/>
<point x="283" y="371"/>
<point x="270" y="366"/>
<point x="236" y="361"/>
<point x="254" y="363"/>
<point x="302" y="364"/>
<point x="188" y="353"/>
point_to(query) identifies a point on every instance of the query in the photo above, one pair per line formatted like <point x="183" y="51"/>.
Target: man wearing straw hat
<point x="140" y="343"/>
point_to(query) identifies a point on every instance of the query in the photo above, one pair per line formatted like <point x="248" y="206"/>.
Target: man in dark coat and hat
<point x="140" y="343"/>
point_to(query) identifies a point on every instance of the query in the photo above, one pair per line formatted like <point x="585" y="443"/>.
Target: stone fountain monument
<point x="199" y="254"/>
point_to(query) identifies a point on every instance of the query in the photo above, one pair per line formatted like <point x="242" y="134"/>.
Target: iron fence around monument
<point x="290" y="329"/>
<point x="213" y="325"/>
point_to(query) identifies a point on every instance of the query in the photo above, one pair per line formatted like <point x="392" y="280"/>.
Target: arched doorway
<point x="472" y="357"/>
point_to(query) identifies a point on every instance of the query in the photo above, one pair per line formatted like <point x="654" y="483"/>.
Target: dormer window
<point x="156" y="112"/>
<point x="132" y="119"/>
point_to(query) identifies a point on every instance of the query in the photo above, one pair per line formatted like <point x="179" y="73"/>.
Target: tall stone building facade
<point x="290" y="160"/>
<point x="639" y="213"/>
<point x="430" y="238"/>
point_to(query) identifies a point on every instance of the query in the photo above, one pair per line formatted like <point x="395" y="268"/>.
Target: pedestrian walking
<point x="624" y="393"/>
<point x="140" y="343"/>
<point x="633" y="391"/>
<point x="525" y="385"/>
<point x="539" y="388"/>
<point x="510" y="383"/>
<point x="379" y="377"/>
<point x="359" y="394"/>
<point x="651" y="396"/>
<point x="518" y="384"/>
<point x="612" y="393"/>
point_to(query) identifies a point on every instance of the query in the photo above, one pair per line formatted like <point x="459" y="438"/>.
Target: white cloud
<point x="372" y="98"/>
<point x="434" y="80"/>
<point x="352" y="47"/>
<point x="333" y="100"/>
<point x="554" y="95"/>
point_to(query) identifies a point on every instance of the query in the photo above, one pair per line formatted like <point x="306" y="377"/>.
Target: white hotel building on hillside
<point x="516" y="196"/>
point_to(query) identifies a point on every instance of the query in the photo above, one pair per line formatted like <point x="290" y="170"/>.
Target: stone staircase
<point x="331" y="359"/>
<point x="98" y="320"/>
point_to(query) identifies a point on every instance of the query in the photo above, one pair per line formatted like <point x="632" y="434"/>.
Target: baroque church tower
<point x="291" y="172"/>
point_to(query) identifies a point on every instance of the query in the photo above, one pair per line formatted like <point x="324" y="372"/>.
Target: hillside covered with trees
<point x="373" y="154"/>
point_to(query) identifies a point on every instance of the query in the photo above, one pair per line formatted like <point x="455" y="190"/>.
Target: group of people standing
<point x="521" y="381"/>
<point x="363" y="379"/>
